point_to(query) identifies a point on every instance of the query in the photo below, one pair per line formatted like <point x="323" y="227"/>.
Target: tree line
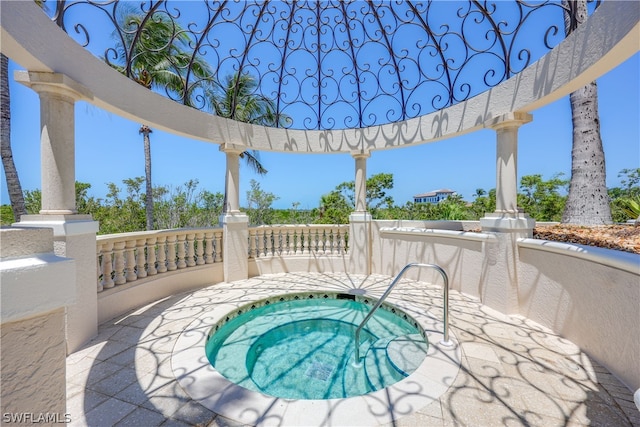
<point x="124" y="207"/>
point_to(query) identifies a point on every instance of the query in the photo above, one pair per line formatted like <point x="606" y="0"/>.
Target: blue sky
<point x="109" y="149"/>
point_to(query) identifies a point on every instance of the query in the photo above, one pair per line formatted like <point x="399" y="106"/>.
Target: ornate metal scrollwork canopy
<point x="317" y="64"/>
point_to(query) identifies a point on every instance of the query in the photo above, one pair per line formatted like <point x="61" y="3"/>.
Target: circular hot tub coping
<point x="207" y="386"/>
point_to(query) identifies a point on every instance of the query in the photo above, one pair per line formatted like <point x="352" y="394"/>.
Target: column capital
<point x="361" y="154"/>
<point x="508" y="120"/>
<point x="232" y="148"/>
<point x="54" y="83"/>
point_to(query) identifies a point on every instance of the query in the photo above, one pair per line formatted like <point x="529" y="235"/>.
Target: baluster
<point x="98" y="267"/>
<point x="252" y="243"/>
<point x="106" y="267"/>
<point x="321" y="241"/>
<point x="326" y="239"/>
<point x="269" y="242"/>
<point x="191" y="250"/>
<point x="162" y="254"/>
<point x="141" y="258"/>
<point x="171" y="253"/>
<point x="318" y="241"/>
<point x="99" y="286"/>
<point x="334" y="241"/>
<point x="151" y="256"/>
<point x="345" y="239"/>
<point x="274" y="240"/>
<point x="130" y="260"/>
<point x="309" y="241"/>
<point x="299" y="234"/>
<point x="218" y="235"/>
<point x="260" y="242"/>
<point x="208" y="247"/>
<point x="282" y="241"/>
<point x="118" y="252"/>
<point x="199" y="248"/>
<point x="181" y="251"/>
<point x="291" y="243"/>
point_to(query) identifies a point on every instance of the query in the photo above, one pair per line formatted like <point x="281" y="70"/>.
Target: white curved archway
<point x="607" y="39"/>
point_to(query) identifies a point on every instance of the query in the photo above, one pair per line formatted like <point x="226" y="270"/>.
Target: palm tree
<point x="237" y="99"/>
<point x="588" y="201"/>
<point x="11" y="173"/>
<point x="145" y="131"/>
<point x="154" y="51"/>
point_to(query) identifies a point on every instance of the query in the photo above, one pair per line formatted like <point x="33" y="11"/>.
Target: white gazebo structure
<point x="49" y="261"/>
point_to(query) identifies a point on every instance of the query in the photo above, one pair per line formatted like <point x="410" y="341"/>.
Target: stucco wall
<point x="28" y="385"/>
<point x="120" y="299"/>
<point x="35" y="286"/>
<point x="590" y="296"/>
<point x="298" y="263"/>
<point x="33" y="366"/>
<point x="594" y="304"/>
<point x="463" y="255"/>
<point x="74" y="237"/>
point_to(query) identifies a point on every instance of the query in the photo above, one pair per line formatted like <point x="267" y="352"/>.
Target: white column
<point x="361" y="181"/>
<point x="507" y="222"/>
<point x="507" y="217"/>
<point x="232" y="179"/>
<point x="58" y="95"/>
<point x="235" y="238"/>
<point x="74" y="235"/>
<point x="360" y="220"/>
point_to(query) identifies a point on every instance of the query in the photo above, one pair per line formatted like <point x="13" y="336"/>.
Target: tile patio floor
<point x="513" y="371"/>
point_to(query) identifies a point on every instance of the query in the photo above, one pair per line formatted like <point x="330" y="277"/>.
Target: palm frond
<point x="252" y="158"/>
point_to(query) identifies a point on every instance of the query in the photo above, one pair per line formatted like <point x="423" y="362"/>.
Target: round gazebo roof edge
<point x="608" y="38"/>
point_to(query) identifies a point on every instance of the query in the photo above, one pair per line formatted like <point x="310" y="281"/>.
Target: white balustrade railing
<point x="280" y="240"/>
<point x="127" y="257"/>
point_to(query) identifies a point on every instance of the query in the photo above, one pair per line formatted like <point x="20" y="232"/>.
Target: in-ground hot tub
<point x="303" y="347"/>
<point x="291" y="357"/>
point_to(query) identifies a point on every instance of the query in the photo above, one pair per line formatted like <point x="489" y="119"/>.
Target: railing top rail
<point x="104" y="238"/>
<point x="317" y="226"/>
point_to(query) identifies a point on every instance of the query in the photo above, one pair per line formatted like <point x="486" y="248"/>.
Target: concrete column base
<point x="74" y="236"/>
<point x="508" y="227"/>
<point x="235" y="246"/>
<point x="509" y="222"/>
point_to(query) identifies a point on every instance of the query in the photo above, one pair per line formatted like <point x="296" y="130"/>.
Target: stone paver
<point x="513" y="371"/>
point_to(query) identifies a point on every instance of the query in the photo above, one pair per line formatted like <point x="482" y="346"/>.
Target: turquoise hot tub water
<point x="302" y="346"/>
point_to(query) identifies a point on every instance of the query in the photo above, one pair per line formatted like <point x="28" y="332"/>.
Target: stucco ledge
<point x="394" y="232"/>
<point x="621" y="260"/>
<point x="35" y="285"/>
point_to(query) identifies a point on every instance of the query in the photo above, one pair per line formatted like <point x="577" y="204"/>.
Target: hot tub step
<point x="378" y="369"/>
<point x="407" y="352"/>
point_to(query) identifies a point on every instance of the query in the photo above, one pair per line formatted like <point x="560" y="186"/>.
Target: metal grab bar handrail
<point x="445" y="340"/>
